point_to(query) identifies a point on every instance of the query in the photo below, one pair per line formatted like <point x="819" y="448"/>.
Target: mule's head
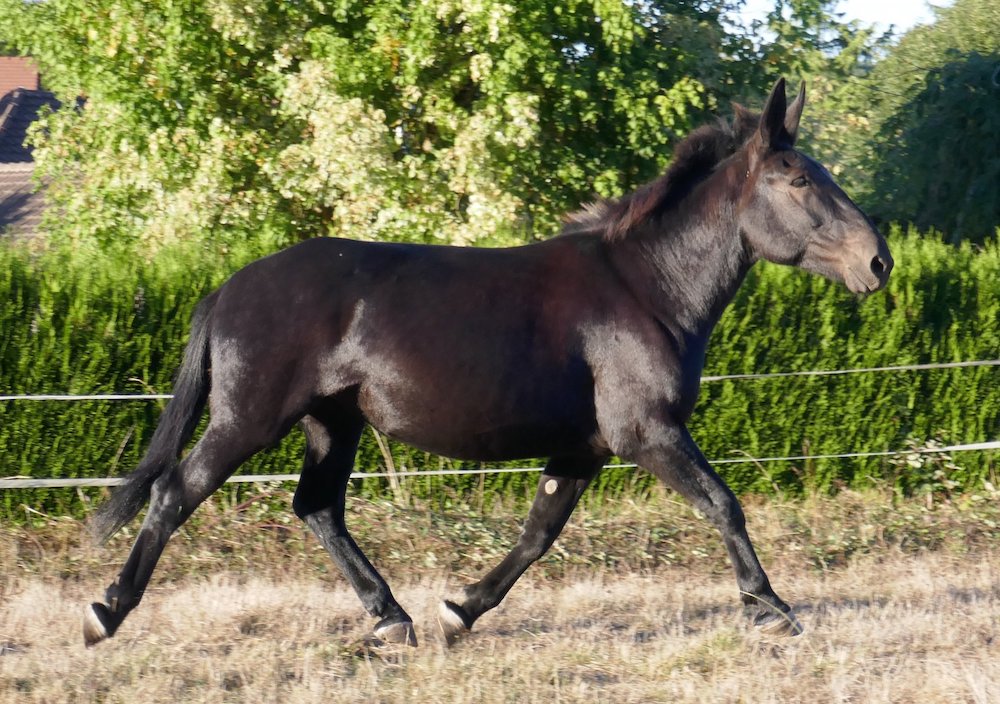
<point x="792" y="212"/>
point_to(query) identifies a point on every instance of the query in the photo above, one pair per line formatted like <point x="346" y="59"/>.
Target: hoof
<point x="96" y="624"/>
<point x="398" y="632"/>
<point x="772" y="623"/>
<point x="453" y="621"/>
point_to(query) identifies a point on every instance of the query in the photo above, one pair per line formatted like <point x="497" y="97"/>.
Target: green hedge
<point x="942" y="305"/>
<point x="93" y="323"/>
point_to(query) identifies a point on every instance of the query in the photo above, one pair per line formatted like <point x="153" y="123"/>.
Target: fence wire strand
<point x="705" y="379"/>
<point x="24" y="482"/>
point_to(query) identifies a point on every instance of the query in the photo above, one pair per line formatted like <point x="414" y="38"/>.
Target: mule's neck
<point x="686" y="267"/>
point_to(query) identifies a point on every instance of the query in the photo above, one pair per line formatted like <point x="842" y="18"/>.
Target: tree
<point x="427" y="121"/>
<point x="937" y="114"/>
<point x="808" y="40"/>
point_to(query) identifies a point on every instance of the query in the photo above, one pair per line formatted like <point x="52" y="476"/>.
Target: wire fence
<point x="31" y="483"/>
<point x="23" y="482"/>
<point x="705" y="379"/>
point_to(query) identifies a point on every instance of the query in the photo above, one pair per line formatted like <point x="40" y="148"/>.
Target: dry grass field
<point x="901" y="603"/>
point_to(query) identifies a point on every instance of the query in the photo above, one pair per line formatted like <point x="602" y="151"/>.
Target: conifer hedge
<point x="96" y="323"/>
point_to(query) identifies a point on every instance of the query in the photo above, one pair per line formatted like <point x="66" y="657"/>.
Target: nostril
<point x="878" y="266"/>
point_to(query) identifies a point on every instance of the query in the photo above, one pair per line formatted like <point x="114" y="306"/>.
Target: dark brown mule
<point x="578" y="348"/>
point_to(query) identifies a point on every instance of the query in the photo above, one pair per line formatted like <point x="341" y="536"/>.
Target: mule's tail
<point x="177" y="425"/>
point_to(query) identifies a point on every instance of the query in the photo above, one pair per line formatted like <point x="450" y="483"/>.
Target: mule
<point x="584" y="346"/>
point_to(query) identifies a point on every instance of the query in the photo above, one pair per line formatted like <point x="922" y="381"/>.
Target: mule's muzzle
<point x="871" y="273"/>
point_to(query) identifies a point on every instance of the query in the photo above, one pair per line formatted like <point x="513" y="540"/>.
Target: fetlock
<point x="120" y="600"/>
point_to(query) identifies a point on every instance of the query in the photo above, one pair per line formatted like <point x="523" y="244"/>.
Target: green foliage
<point x="942" y="305"/>
<point x="936" y="156"/>
<point x="484" y="122"/>
<point x="215" y="131"/>
<point x="439" y="121"/>
<point x="92" y="323"/>
<point x="910" y="128"/>
<point x="807" y="40"/>
<point x="86" y="324"/>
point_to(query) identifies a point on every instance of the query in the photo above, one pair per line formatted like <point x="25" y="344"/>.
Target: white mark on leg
<point x="551" y="486"/>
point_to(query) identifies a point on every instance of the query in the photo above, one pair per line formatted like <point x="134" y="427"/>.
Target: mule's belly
<point x="499" y="444"/>
<point x="480" y="426"/>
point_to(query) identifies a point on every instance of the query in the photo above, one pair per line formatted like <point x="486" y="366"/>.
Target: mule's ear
<point x="794" y="113"/>
<point x="772" y="119"/>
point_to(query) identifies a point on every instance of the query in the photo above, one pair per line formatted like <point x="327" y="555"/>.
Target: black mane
<point x="695" y="157"/>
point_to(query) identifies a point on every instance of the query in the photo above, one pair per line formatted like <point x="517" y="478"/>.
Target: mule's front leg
<point x="559" y="489"/>
<point x="669" y="452"/>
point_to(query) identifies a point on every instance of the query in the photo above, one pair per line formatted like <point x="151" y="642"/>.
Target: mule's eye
<point x="800" y="182"/>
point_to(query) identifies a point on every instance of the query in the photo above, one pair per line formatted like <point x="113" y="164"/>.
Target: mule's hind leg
<point x="559" y="489"/>
<point x="320" y="502"/>
<point x="174" y="498"/>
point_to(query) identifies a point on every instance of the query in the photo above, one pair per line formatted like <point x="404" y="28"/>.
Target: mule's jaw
<point x="451" y="621"/>
<point x="95" y="624"/>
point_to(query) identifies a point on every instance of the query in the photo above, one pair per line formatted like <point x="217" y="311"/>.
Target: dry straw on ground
<point x="900" y="605"/>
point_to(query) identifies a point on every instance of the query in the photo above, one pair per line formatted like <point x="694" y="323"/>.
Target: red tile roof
<point x="18" y="72"/>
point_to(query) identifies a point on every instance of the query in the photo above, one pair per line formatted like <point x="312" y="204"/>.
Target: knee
<point x="301" y="506"/>
<point x="166" y="502"/>
<point x="317" y="493"/>
<point x="534" y="545"/>
<point x="726" y="512"/>
<point x="304" y="501"/>
<point x="306" y="504"/>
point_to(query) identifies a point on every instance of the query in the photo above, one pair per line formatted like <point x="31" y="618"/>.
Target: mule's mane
<point x="695" y="157"/>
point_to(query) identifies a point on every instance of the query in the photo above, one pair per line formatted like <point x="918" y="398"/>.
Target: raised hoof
<point x="772" y="623"/>
<point x="96" y="624"/>
<point x="453" y="621"/>
<point x="399" y="633"/>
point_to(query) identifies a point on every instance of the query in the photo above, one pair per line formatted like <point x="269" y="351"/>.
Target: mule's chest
<point x="645" y="369"/>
